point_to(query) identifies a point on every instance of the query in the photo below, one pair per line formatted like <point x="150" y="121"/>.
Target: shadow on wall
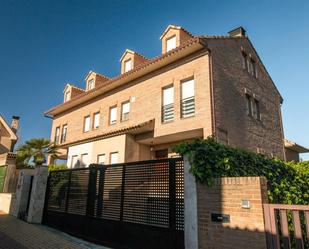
<point x="230" y="214"/>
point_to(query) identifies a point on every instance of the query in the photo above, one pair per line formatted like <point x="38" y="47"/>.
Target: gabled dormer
<point x="94" y="79"/>
<point x="130" y="59"/>
<point x="70" y="92"/>
<point x="172" y="37"/>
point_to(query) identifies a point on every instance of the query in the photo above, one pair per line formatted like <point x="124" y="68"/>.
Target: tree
<point x="35" y="151"/>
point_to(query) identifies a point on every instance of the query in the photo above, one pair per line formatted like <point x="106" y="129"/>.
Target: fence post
<point x="101" y="192"/>
<point x="190" y="200"/>
<point x="68" y="192"/>
<point x="91" y="191"/>
<point x="122" y="191"/>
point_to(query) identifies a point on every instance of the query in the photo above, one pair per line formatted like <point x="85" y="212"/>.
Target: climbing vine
<point x="288" y="183"/>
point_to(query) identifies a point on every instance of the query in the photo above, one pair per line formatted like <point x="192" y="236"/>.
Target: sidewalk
<point x="16" y="234"/>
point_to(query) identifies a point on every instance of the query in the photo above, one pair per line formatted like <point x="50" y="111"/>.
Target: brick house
<point x="199" y="86"/>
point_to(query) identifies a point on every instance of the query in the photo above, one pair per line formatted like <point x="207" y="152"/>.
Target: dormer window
<point x="66" y="96"/>
<point x="127" y="65"/>
<point x="170" y="43"/>
<point x="90" y="84"/>
<point x="173" y="37"/>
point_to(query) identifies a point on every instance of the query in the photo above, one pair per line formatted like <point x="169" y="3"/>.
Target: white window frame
<point x="87" y="123"/>
<point x="170" y="43"/>
<point x="113" y="115"/>
<point x="76" y="165"/>
<point x="111" y="157"/>
<point x="66" y="96"/>
<point x="64" y="133"/>
<point x="168" y="103"/>
<point x="83" y="162"/>
<point x="91" y="84"/>
<point x="188" y="96"/>
<point x="57" y="135"/>
<point x="125" y="110"/>
<point x="96" y="120"/>
<point x="128" y="65"/>
<point x="102" y="162"/>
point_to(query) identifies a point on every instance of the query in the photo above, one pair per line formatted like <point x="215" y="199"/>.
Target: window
<point x="66" y="96"/>
<point x="87" y="124"/>
<point x="114" y="157"/>
<point x="74" y="162"/>
<point x="101" y="159"/>
<point x="248" y="105"/>
<point x="168" y="104"/>
<point x="113" y="115"/>
<point x="84" y="160"/>
<point x="96" y="120"/>
<point x="253" y="107"/>
<point x="64" y="133"/>
<point x="90" y="84"/>
<point x="57" y="135"/>
<point x="127" y="65"/>
<point x="222" y="136"/>
<point x="256" y="109"/>
<point x="187" y="98"/>
<point x="249" y="64"/>
<point x="170" y="43"/>
<point x="125" y="111"/>
<point x="159" y="154"/>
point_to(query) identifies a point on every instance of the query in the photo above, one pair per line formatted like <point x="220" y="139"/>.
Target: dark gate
<point x="130" y="205"/>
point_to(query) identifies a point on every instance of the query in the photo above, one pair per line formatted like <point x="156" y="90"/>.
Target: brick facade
<point x="220" y="82"/>
<point x="246" y="226"/>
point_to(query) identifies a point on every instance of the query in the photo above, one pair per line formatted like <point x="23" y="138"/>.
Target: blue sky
<point x="45" y="44"/>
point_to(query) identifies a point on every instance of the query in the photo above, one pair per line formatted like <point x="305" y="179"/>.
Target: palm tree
<point x="35" y="151"/>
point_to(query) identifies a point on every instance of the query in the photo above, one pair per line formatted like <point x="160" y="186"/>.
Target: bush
<point x="288" y="183"/>
<point x="55" y="167"/>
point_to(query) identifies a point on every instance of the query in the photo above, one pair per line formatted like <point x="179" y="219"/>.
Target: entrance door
<point x="161" y="154"/>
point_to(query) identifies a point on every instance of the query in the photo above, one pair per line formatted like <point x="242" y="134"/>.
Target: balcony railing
<point x="187" y="107"/>
<point x="167" y="112"/>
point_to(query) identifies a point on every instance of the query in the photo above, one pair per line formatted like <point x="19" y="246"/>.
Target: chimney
<point x="15" y="123"/>
<point x="238" y="32"/>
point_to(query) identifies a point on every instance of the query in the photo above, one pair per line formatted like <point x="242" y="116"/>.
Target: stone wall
<point x="246" y="226"/>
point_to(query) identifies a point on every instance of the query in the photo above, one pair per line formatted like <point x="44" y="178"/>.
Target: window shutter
<point x="114" y="158"/>
<point x="127" y="65"/>
<point x="126" y="107"/>
<point x="96" y="122"/>
<point x="87" y="124"/>
<point x="113" y="114"/>
<point x="170" y="43"/>
<point x="168" y="96"/>
<point x="188" y="89"/>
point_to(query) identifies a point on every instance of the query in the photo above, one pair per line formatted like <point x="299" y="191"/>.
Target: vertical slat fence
<point x="286" y="226"/>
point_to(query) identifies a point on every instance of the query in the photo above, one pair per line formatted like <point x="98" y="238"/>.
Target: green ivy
<point x="288" y="183"/>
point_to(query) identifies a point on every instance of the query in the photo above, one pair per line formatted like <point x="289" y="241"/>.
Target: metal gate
<point x="130" y="205"/>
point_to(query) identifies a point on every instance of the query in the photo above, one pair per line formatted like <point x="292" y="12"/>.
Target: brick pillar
<point x="240" y="201"/>
<point x="36" y="206"/>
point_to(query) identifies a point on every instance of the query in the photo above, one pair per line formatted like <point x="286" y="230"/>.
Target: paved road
<point x="16" y="234"/>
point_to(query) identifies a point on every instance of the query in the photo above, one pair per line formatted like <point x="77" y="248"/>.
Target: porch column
<point x="190" y="200"/>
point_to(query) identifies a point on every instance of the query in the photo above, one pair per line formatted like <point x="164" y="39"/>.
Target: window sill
<point x="191" y="116"/>
<point x="167" y="122"/>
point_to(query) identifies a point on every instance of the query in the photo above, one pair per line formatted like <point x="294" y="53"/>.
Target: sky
<point x="46" y="44"/>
